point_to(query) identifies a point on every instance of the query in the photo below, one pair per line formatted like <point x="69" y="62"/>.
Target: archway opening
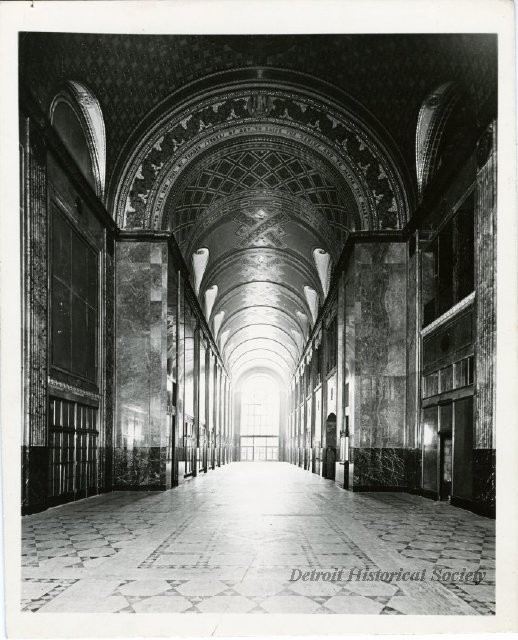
<point x="260" y="419"/>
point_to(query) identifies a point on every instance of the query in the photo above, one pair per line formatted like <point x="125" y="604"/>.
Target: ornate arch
<point x="260" y="108"/>
<point x="87" y="110"/>
<point x="431" y="123"/>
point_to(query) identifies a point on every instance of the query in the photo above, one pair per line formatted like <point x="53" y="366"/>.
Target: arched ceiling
<point x="261" y="205"/>
<point x="258" y="161"/>
<point x="257" y="176"/>
<point x="241" y="178"/>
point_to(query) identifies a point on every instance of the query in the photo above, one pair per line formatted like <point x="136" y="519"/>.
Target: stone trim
<point x="448" y="315"/>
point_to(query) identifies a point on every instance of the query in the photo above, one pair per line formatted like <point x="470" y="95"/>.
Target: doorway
<point x="447" y="449"/>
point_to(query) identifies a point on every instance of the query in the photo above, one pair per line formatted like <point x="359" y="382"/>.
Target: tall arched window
<point x="76" y="116"/>
<point x="260" y="413"/>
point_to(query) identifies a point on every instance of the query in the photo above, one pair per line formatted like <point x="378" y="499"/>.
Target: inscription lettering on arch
<point x="356" y="152"/>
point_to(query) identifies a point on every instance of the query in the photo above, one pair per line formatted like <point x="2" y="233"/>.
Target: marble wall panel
<point x="412" y="337"/>
<point x="34" y="193"/>
<point x="379" y="468"/>
<point x="379" y="415"/>
<point x="381" y="411"/>
<point x="139" y="467"/>
<point x="484" y="480"/>
<point x="142" y="421"/>
<point x="485" y="252"/>
<point x="35" y="308"/>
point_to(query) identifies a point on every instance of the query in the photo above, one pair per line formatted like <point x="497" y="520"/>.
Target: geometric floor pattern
<point x="234" y="540"/>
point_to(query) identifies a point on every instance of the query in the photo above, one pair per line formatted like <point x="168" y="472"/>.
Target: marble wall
<point x="485" y="252"/>
<point x="35" y="308"/>
<point x="484" y="481"/>
<point x="413" y="344"/>
<point x="377" y="345"/>
<point x="50" y="185"/>
<point x="141" y="435"/>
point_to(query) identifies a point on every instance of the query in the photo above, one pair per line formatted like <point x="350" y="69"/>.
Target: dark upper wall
<point x="389" y="74"/>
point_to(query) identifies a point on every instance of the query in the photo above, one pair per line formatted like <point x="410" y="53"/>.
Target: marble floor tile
<point x="259" y="587"/>
<point x="353" y="604"/>
<point x="144" y="588"/>
<point x="371" y="588"/>
<point x="162" y="604"/>
<point x="201" y="588"/>
<point x="316" y="588"/>
<point x="225" y="604"/>
<point x="289" y="604"/>
<point x="229" y="542"/>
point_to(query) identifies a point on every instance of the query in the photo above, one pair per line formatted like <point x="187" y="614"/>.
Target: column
<point x="141" y="436"/>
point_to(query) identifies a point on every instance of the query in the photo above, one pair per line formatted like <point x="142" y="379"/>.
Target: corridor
<point x="230" y="541"/>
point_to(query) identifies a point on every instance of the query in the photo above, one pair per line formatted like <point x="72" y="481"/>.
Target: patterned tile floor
<point x="229" y="541"/>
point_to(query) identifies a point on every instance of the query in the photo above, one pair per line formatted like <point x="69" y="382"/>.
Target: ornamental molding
<point x="63" y="386"/>
<point x="89" y="114"/>
<point x="431" y="123"/>
<point x="175" y="140"/>
<point x="451" y="313"/>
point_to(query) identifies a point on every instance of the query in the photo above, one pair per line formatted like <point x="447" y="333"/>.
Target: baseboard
<point x="57" y="501"/>
<point x="147" y="487"/>
<point x="487" y="511"/>
<point x="30" y="509"/>
<point x="426" y="493"/>
<point x="374" y="489"/>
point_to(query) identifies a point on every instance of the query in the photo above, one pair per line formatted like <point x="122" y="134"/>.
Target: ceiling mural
<point x="262" y="227"/>
<point x="330" y="231"/>
<point x="260" y="154"/>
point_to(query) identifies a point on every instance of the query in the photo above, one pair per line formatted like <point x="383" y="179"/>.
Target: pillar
<point x="140" y="443"/>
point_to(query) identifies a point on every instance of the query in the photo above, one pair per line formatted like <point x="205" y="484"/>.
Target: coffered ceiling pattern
<point x="256" y="168"/>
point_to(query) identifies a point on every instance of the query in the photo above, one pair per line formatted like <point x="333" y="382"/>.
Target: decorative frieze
<point x="57" y="385"/>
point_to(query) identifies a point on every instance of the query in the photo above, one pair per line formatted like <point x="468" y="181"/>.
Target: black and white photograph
<point x="258" y="316"/>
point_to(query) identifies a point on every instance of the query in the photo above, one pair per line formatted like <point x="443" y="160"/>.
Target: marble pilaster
<point x="141" y="361"/>
<point x="376" y="326"/>
<point x="485" y="285"/>
<point x="35" y="215"/>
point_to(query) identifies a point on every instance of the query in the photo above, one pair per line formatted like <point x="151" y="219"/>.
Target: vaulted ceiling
<point x="278" y="148"/>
